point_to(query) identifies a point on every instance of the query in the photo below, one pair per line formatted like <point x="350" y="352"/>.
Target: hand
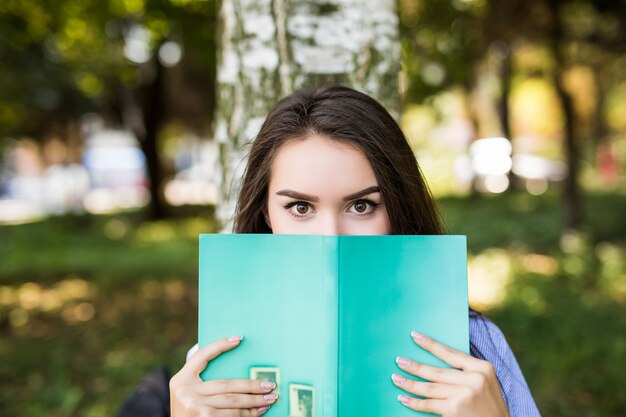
<point x="190" y="396"/>
<point x="471" y="390"/>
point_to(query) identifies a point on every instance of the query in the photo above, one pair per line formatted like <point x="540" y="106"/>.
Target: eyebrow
<point x="307" y="197"/>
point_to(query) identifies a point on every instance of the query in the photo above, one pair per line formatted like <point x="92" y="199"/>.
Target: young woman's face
<point x="323" y="186"/>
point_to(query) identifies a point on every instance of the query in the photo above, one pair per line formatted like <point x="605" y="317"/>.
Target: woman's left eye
<point x="363" y="207"/>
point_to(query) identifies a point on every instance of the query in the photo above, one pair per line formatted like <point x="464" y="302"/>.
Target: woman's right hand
<point x="190" y="396"/>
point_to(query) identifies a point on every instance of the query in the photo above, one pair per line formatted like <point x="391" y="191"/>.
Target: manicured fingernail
<point x="398" y="379"/>
<point x="268" y="385"/>
<point x="417" y="336"/>
<point x="403" y="399"/>
<point x="262" y="410"/>
<point x="235" y="338"/>
<point x="403" y="361"/>
<point x="270" y="397"/>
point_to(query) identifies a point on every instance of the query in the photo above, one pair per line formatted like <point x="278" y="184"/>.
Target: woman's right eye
<point x="299" y="209"/>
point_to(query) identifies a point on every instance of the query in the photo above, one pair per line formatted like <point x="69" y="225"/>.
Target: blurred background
<point x="108" y="171"/>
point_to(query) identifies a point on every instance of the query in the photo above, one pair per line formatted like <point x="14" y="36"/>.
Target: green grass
<point x="567" y="328"/>
<point x="90" y="304"/>
<point x="524" y="221"/>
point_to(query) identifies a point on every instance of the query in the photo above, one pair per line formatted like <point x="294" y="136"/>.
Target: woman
<point x="333" y="161"/>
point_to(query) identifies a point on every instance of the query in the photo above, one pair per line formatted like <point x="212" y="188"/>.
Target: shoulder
<point x="487" y="342"/>
<point x="486" y="335"/>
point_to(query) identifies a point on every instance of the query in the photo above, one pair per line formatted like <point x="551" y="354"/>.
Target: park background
<point x="109" y="169"/>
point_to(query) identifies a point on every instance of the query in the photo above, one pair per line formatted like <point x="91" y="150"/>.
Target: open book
<point x="326" y="316"/>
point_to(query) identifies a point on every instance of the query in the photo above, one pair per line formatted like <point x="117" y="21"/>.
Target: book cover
<point x="326" y="316"/>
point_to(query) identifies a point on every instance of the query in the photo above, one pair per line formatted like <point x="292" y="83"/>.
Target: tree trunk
<point x="152" y="111"/>
<point x="570" y="195"/>
<point x="505" y="72"/>
<point x="600" y="129"/>
<point x="269" y="48"/>
<point x="141" y="111"/>
<point x="505" y="67"/>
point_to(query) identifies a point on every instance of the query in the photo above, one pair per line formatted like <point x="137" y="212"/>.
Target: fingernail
<point x="235" y="338"/>
<point x="403" y="361"/>
<point x="398" y="379"/>
<point x="268" y="385"/>
<point x="270" y="397"/>
<point x="417" y="336"/>
<point x="262" y="410"/>
<point x="403" y="399"/>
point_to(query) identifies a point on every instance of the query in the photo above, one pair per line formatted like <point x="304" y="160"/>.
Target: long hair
<point x="346" y="115"/>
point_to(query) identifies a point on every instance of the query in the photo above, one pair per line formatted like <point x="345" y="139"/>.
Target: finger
<point x="259" y="411"/>
<point x="254" y="412"/>
<point x="452" y="357"/>
<point x="198" y="362"/>
<point x="233" y="401"/>
<point x="427" y="406"/>
<point x="424" y="389"/>
<point x="237" y="386"/>
<point x="433" y="373"/>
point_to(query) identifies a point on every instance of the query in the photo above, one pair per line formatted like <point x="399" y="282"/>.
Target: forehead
<point x="319" y="164"/>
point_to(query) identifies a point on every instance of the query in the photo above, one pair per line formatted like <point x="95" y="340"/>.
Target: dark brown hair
<point x="346" y="115"/>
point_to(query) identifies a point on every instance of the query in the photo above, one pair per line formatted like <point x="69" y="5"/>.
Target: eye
<point x="299" y="208"/>
<point x="363" y="207"/>
<point x="302" y="208"/>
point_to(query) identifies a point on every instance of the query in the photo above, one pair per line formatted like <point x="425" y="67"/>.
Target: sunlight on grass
<point x="31" y="298"/>
<point x="158" y="231"/>
<point x="489" y="273"/>
<point x="613" y="270"/>
<point x="493" y="272"/>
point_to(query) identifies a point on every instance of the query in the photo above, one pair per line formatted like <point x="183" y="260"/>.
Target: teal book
<point x="326" y="316"/>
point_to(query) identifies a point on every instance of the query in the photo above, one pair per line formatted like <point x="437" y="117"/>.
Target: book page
<point x="279" y="292"/>
<point x="389" y="286"/>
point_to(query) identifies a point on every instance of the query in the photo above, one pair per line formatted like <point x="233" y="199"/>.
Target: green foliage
<point x="475" y="45"/>
<point x="89" y="305"/>
<point x="61" y="59"/>
<point x="441" y="42"/>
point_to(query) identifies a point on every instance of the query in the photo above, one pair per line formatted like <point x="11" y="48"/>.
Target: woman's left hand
<point x="470" y="390"/>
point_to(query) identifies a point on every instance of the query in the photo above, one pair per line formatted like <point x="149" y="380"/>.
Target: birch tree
<point x="270" y="48"/>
